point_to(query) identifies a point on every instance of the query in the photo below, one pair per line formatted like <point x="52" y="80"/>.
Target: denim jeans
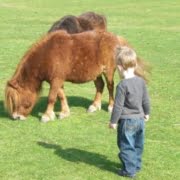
<point x="130" y="141"/>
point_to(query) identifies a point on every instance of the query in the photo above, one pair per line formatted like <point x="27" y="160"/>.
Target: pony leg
<point x="96" y="105"/>
<point x="110" y="86"/>
<point x="49" y="114"/>
<point x="64" y="104"/>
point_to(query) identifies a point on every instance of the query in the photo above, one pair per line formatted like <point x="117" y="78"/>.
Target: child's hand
<point x="146" y="118"/>
<point x="112" y="126"/>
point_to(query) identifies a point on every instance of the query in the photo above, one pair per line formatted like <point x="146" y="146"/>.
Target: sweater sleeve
<point x="146" y="101"/>
<point x="118" y="104"/>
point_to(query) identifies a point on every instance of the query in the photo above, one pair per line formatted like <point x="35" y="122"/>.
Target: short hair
<point x="126" y="57"/>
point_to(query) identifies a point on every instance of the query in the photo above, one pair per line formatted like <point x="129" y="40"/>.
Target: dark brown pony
<point x="76" y="24"/>
<point x="60" y="57"/>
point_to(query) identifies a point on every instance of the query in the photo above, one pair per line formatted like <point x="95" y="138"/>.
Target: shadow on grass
<point x="40" y="106"/>
<point x="82" y="156"/>
<point x="73" y="101"/>
<point x="3" y="113"/>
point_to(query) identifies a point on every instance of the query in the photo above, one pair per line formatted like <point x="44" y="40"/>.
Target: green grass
<point x="82" y="147"/>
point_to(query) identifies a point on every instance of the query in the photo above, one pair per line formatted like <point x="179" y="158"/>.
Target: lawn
<point x="81" y="147"/>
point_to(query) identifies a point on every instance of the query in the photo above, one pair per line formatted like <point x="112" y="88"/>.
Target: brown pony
<point x="85" y="22"/>
<point x="60" y="57"/>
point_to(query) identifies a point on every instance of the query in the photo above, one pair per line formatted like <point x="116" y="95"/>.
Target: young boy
<point x="131" y="109"/>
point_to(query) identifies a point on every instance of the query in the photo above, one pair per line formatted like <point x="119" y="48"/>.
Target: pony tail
<point x="143" y="69"/>
<point x="118" y="50"/>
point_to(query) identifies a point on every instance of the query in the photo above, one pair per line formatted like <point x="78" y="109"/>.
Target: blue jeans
<point x="130" y="141"/>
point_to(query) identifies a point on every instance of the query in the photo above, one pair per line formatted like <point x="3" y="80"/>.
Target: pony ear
<point x="13" y="84"/>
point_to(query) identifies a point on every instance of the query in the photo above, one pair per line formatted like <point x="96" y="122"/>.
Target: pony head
<point x="19" y="101"/>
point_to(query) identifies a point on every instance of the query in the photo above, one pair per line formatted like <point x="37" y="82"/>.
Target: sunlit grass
<point x="82" y="147"/>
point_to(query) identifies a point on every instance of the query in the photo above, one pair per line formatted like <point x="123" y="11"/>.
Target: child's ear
<point x="119" y="67"/>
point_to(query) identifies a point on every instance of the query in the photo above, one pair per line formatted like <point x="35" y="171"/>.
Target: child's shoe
<point x="125" y="174"/>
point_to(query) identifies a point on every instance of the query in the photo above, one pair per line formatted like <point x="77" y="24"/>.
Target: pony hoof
<point x="48" y="117"/>
<point x="93" y="108"/>
<point x="18" y="117"/>
<point x="22" y="118"/>
<point x="110" y="109"/>
<point x="63" y="115"/>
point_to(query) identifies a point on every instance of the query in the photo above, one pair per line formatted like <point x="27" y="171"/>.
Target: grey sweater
<point x="131" y="100"/>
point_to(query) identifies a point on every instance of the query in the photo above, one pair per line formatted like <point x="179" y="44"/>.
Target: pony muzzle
<point x="16" y="116"/>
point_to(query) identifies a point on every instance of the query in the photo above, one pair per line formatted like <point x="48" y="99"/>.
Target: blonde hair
<point x="127" y="58"/>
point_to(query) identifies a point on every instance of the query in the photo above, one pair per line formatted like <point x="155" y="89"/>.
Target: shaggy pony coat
<point x="60" y="57"/>
<point x="76" y="24"/>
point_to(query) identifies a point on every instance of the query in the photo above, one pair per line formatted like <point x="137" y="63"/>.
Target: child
<point x="130" y="109"/>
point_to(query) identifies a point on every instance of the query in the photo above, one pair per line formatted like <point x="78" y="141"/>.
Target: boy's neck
<point x="129" y="73"/>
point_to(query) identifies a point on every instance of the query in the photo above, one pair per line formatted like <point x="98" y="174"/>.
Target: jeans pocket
<point x="131" y="126"/>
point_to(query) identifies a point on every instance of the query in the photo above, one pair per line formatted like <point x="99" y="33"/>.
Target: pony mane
<point x="14" y="85"/>
<point x="11" y="98"/>
<point x="28" y="53"/>
<point x="91" y="21"/>
<point x="77" y="24"/>
<point x="31" y="51"/>
<point x="94" y="19"/>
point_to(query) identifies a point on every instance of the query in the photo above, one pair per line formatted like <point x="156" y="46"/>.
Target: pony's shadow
<point x="3" y="112"/>
<point x="73" y="101"/>
<point x="40" y="107"/>
<point x="82" y="156"/>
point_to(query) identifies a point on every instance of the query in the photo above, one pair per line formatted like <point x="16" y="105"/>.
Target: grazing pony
<point x="85" y="22"/>
<point x="60" y="57"/>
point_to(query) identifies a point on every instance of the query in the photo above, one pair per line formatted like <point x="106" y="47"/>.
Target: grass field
<point x="81" y="147"/>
